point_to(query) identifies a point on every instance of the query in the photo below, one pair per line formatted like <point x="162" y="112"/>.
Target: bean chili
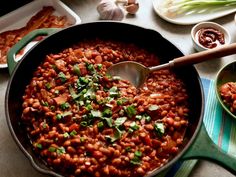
<point x="85" y="123"/>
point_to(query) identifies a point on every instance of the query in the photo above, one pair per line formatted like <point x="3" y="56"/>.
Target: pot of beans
<point x="70" y="118"/>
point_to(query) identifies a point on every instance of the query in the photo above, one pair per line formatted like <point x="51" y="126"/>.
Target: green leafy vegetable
<point x="136" y="160"/>
<point x="96" y="113"/>
<point x="48" y="86"/>
<point x="52" y="149"/>
<point x="61" y="150"/>
<point x="38" y="145"/>
<point x="114" y="92"/>
<point x="100" y="125"/>
<point x="73" y="133"/>
<point x="66" y="135"/>
<point x="107" y="112"/>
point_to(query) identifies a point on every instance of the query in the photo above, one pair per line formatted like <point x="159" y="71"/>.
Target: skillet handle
<point x="23" y="42"/>
<point x="204" y="148"/>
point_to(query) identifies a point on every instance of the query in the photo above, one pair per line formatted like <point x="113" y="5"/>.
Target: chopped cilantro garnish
<point x="62" y="77"/>
<point x="108" y="121"/>
<point x="160" y="129"/>
<point x="100" y="125"/>
<point x="138" y="153"/>
<point x="133" y="127"/>
<point x="131" y="111"/>
<point x="114" y="92"/>
<point x="99" y="66"/>
<point x="96" y="113"/>
<point x="119" y="121"/>
<point x="65" y="105"/>
<point x="82" y="139"/>
<point x="61" y="150"/>
<point x="107" y="112"/>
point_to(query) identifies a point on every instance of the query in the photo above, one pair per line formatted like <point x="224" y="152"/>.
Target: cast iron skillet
<point x="197" y="143"/>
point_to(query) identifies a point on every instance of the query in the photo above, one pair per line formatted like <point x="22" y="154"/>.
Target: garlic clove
<point x="132" y="8"/>
<point x="108" y="10"/>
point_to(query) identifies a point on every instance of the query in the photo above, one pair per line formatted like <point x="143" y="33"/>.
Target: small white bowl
<point x="201" y="25"/>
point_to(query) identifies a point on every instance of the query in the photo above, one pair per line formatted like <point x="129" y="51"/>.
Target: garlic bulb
<point x="108" y="10"/>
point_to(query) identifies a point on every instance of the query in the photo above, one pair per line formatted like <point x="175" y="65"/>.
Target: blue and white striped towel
<point x="220" y="127"/>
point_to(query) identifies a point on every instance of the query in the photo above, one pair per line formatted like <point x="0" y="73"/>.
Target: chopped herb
<point x="99" y="66"/>
<point x="76" y="69"/>
<point x="130" y="110"/>
<point x="121" y="101"/>
<point x="62" y="77"/>
<point x="114" y="92"/>
<point x="96" y="113"/>
<point x="108" y="121"/>
<point x="56" y="92"/>
<point x="119" y="121"/>
<point x="52" y="149"/>
<point x="65" y="105"/>
<point x="44" y="103"/>
<point x="90" y="93"/>
<point x="73" y="133"/>
<point x="135" y="161"/>
<point x="48" y="86"/>
<point x="52" y="107"/>
<point x="147" y="118"/>
<point x="83" y="80"/>
<point x="138" y="153"/>
<point x="91" y="68"/>
<point x="160" y="129"/>
<point x="84" y="123"/>
<point x="153" y="107"/>
<point x="133" y="127"/>
<point x="107" y="112"/>
<point x="117" y="136"/>
<point x="66" y="135"/>
<point x="59" y="116"/>
<point x="38" y="145"/>
<point x="100" y="125"/>
<point x="73" y="94"/>
<point x="89" y="107"/>
<point x="61" y="150"/>
<point x="44" y="124"/>
<point x="139" y="117"/>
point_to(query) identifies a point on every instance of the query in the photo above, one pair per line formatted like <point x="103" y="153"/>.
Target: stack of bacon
<point x="43" y="19"/>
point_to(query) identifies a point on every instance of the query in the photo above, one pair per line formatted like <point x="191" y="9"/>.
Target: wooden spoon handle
<point x="205" y="55"/>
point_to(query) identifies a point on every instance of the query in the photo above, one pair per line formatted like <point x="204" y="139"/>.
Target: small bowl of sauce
<point x="208" y="35"/>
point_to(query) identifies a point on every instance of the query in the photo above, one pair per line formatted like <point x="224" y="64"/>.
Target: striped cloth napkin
<point x="220" y="127"/>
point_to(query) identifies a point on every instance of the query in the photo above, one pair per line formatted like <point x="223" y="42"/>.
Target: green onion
<point x="136" y="159"/>
<point x="133" y="126"/>
<point x="73" y="133"/>
<point x="108" y="121"/>
<point x="99" y="66"/>
<point x="173" y="8"/>
<point x="84" y="123"/>
<point x="66" y="135"/>
<point x="52" y="149"/>
<point x="100" y="125"/>
<point x="38" y="145"/>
